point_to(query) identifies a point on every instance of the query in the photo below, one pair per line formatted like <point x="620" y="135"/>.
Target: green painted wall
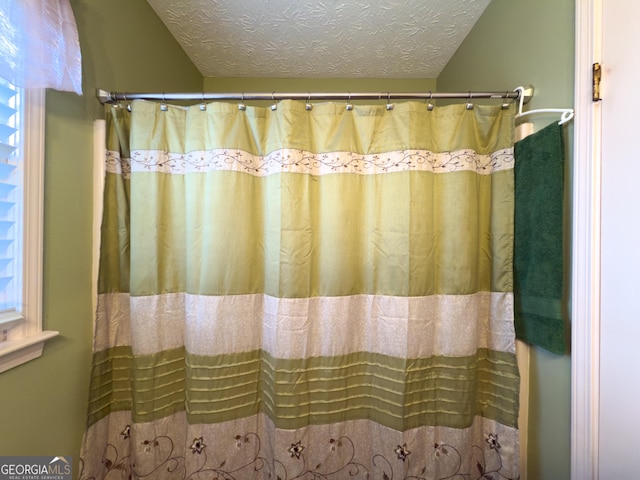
<point x="124" y="47"/>
<point x="524" y="42"/>
<point x="297" y="85"/>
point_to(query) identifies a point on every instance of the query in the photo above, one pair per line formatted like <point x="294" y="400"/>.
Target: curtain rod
<point x="113" y="97"/>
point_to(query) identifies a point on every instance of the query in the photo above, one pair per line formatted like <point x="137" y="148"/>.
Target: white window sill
<point x="16" y="352"/>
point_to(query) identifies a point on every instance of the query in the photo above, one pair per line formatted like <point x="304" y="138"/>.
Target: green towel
<point x="538" y="251"/>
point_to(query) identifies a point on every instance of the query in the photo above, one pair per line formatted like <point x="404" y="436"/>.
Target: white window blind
<point x="11" y="205"/>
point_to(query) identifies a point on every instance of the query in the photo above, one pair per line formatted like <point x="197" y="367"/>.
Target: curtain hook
<point x="308" y="106"/>
<point x="163" y="105"/>
<point x="349" y="106"/>
<point x="274" y="107"/>
<point x="430" y="105"/>
<point x="389" y="104"/>
<point x="203" y="106"/>
<point x="505" y="103"/>
<point x="241" y="105"/>
<point x="124" y="95"/>
<point x="469" y="103"/>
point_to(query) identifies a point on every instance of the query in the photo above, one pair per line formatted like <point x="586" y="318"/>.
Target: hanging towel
<point x="538" y="253"/>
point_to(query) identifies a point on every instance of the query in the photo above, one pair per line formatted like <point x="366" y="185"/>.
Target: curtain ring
<point x="389" y="104"/>
<point x="505" y="103"/>
<point x="203" y="106"/>
<point x="429" y="104"/>
<point x="241" y="106"/>
<point x="349" y="106"/>
<point x="469" y="103"/>
<point x="308" y="105"/>
<point x="163" y="105"/>
<point x="274" y="106"/>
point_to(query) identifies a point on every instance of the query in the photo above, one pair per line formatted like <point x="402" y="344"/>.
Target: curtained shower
<point x="298" y="293"/>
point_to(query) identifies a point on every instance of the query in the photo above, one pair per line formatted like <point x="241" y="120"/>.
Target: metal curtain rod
<point x="113" y="97"/>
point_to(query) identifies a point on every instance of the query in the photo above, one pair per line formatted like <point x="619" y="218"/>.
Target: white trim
<point x="585" y="294"/>
<point x="33" y="209"/>
<point x="25" y="341"/>
<point x="20" y="351"/>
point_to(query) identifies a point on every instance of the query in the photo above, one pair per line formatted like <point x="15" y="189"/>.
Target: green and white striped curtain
<point x="296" y="294"/>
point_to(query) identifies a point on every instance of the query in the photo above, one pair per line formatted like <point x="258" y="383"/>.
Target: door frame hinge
<point x="596" y="77"/>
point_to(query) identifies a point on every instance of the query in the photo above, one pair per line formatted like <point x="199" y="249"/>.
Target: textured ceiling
<point x="320" y="38"/>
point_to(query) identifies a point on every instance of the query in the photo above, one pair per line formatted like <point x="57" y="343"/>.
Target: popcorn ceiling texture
<point x="320" y="39"/>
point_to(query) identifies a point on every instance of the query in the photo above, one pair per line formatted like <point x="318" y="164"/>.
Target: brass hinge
<point x="596" y="77"/>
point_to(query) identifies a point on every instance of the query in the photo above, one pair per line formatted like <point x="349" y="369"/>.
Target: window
<point x="21" y="204"/>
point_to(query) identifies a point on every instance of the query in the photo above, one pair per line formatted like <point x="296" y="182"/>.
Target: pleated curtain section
<point x="305" y="294"/>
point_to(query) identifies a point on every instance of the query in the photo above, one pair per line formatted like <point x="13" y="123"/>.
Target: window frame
<point x="25" y="337"/>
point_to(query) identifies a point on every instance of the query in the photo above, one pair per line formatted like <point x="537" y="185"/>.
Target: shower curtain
<point x="305" y="294"/>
